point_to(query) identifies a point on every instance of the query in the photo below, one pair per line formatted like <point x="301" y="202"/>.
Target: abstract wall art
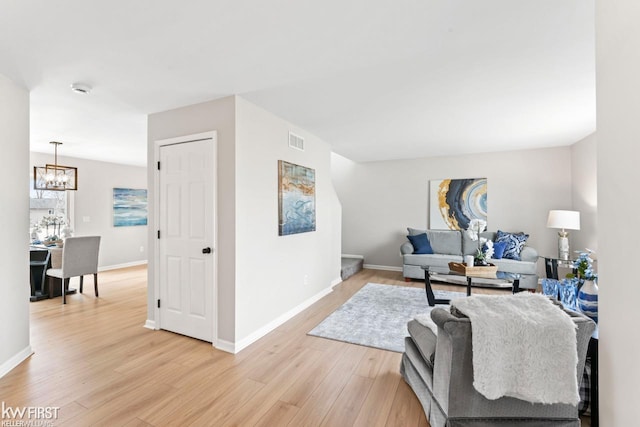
<point x="455" y="202"/>
<point x="129" y="207"/>
<point x="296" y="199"/>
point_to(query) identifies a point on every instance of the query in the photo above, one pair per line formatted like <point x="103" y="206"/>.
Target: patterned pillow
<point x="515" y="242"/>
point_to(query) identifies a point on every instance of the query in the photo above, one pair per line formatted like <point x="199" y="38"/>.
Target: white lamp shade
<point x="569" y="220"/>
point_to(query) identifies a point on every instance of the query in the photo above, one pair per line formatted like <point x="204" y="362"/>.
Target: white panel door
<point x="186" y="252"/>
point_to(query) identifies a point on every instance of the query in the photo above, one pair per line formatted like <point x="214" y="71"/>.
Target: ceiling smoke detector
<point x="80" y="88"/>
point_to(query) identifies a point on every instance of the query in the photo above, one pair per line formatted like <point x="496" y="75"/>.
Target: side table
<point x="551" y="266"/>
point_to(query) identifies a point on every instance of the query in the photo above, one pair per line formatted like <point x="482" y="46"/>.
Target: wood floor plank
<point x="347" y="406"/>
<point x="226" y="405"/>
<point x="405" y="409"/>
<point x="376" y="408"/>
<point x="137" y="422"/>
<point x="264" y="400"/>
<point x="306" y="383"/>
<point x="280" y="414"/>
<point x="320" y="401"/>
<point x="371" y="363"/>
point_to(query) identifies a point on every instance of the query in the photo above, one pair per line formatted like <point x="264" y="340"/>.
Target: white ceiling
<point x="376" y="79"/>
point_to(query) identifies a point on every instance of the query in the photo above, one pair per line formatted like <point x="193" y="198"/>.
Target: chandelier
<point x="55" y="177"/>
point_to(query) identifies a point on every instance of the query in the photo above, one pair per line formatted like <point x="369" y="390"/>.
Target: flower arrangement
<point x="477" y="226"/>
<point x="52" y="221"/>
<point x="584" y="266"/>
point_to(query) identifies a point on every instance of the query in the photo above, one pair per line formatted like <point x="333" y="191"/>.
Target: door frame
<point x="212" y="135"/>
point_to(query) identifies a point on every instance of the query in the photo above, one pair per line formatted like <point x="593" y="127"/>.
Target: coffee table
<point x="502" y="280"/>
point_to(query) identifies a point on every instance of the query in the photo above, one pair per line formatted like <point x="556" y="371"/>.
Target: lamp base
<point x="563" y="245"/>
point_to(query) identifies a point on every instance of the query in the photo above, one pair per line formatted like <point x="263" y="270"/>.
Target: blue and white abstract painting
<point x="296" y="199"/>
<point x="129" y="207"/>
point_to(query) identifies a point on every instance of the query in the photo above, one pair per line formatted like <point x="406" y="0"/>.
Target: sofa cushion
<point x="442" y="241"/>
<point x="431" y="260"/>
<point x="425" y="340"/>
<point x="513" y="266"/>
<point x="515" y="242"/>
<point x="420" y="244"/>
<point x="415" y="231"/>
<point x="446" y="242"/>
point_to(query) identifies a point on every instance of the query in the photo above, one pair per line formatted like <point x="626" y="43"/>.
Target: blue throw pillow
<point x="420" y="244"/>
<point x="514" y="242"/>
<point x="498" y="249"/>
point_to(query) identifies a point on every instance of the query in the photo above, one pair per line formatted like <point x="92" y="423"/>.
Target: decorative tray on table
<point x="488" y="271"/>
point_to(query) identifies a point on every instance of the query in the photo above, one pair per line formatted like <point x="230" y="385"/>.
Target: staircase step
<point x="350" y="266"/>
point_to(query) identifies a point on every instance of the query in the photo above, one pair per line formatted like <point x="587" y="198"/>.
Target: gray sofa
<point x="452" y="245"/>
<point x="440" y="372"/>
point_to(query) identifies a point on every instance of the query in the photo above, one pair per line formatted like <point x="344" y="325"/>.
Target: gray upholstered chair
<point x="439" y="369"/>
<point x="79" y="257"/>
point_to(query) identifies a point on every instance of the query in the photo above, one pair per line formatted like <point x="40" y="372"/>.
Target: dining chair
<point x="79" y="257"/>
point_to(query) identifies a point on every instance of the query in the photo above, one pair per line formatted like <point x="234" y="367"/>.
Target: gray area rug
<point x="377" y="316"/>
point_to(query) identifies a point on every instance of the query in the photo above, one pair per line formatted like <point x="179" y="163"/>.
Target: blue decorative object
<point x="550" y="287"/>
<point x="588" y="300"/>
<point x="421" y="244"/>
<point x="514" y="244"/>
<point x="584" y="266"/>
<point x="568" y="291"/>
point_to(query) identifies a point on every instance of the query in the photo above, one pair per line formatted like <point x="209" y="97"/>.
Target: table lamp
<point x="564" y="220"/>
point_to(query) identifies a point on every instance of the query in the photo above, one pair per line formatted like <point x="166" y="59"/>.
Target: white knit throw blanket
<point x="523" y="347"/>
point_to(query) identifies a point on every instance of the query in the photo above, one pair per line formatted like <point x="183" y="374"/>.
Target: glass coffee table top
<point x="501" y="280"/>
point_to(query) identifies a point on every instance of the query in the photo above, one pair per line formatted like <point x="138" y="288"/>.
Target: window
<point x="50" y="213"/>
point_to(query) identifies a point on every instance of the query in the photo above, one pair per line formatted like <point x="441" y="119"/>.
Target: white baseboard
<point x="352" y="256"/>
<point x="227" y="346"/>
<point x="20" y="357"/>
<point x="236" y="347"/>
<point x="336" y="281"/>
<point x="150" y="324"/>
<point x="125" y="265"/>
<point x="382" y="267"/>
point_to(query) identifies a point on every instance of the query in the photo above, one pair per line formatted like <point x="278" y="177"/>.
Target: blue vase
<point x="550" y="288"/>
<point x="568" y="290"/>
<point x="588" y="300"/>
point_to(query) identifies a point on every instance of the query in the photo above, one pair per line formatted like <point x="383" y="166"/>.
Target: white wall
<point x="261" y="277"/>
<point x="119" y="246"/>
<point x="14" y="214"/>
<point x="618" y="104"/>
<point x="218" y="115"/>
<point x="275" y="274"/>
<point x="381" y="199"/>
<point x="584" y="178"/>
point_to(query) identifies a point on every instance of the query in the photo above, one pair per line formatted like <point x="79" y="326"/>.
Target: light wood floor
<point x="95" y="361"/>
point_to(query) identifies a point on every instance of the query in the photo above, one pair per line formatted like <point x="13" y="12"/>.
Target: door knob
<point x="206" y="251"/>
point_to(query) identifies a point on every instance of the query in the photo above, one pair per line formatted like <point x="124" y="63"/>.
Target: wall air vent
<point x="296" y="141"/>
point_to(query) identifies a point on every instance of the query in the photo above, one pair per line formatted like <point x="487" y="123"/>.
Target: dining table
<point x="38" y="265"/>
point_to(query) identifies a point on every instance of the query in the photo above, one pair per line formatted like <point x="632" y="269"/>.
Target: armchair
<point x="439" y="369"/>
